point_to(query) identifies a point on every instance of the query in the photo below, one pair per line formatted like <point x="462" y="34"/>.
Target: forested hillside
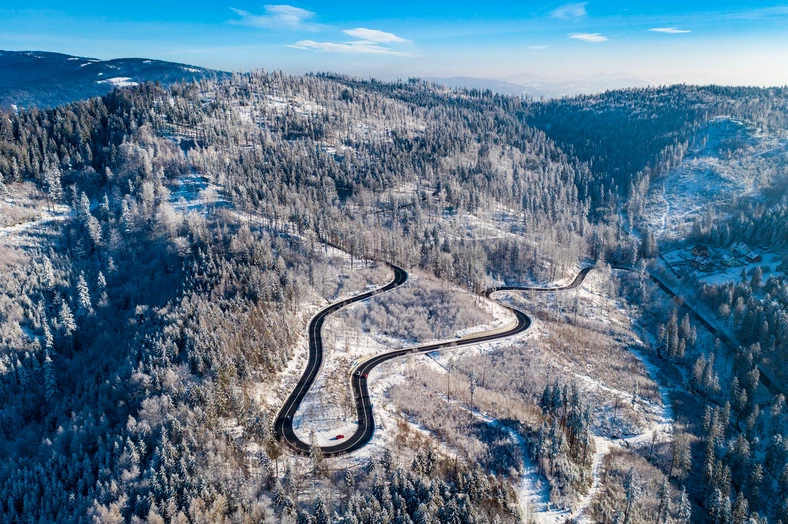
<point x="632" y="137"/>
<point x="164" y="247"/>
<point x="115" y="347"/>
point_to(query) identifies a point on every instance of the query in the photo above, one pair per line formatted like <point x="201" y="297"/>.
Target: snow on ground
<point x="720" y="169"/>
<point x="119" y="81"/>
<point x="679" y="261"/>
<point x="661" y="425"/>
<point x="195" y="192"/>
<point x="25" y="234"/>
<point x="658" y="415"/>
<point x="327" y="410"/>
<point x="598" y="379"/>
<point x="324" y="412"/>
<point x="699" y="307"/>
<point x="300" y="104"/>
<point x="723" y="275"/>
<point x="533" y="490"/>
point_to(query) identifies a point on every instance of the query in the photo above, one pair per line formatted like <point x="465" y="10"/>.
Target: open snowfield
<point x="119" y="81"/>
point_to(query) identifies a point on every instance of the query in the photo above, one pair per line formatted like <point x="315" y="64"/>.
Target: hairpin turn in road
<point x="283" y="426"/>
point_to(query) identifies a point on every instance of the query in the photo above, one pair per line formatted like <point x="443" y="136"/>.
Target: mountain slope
<point x="42" y="79"/>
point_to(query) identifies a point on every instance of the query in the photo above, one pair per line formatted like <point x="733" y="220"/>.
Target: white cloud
<point x="589" y="37"/>
<point x="278" y="17"/>
<point x="537" y="47"/>
<point x="370" y="42"/>
<point x="669" y="30"/>
<point x="570" y="11"/>
<point x="356" y="47"/>
<point x="373" y="35"/>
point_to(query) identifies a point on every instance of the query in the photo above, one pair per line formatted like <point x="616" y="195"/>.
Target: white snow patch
<point x="195" y="192"/>
<point x="118" y="81"/>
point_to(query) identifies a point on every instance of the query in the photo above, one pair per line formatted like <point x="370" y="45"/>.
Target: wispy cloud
<point x="570" y="11"/>
<point x="669" y="30"/>
<point x="357" y="47"/>
<point x="537" y="47"/>
<point x="370" y="42"/>
<point x="278" y="17"/>
<point x="589" y="37"/>
<point x="373" y="35"/>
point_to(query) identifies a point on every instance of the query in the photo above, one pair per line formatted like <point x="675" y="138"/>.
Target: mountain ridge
<point x="47" y="79"/>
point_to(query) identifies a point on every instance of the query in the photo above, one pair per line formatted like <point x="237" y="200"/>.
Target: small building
<point x="729" y="260"/>
<point x="740" y="249"/>
<point x="753" y="257"/>
<point x="700" y="251"/>
<point x="703" y="264"/>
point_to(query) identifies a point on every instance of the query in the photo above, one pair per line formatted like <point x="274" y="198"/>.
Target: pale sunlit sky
<point x="670" y="41"/>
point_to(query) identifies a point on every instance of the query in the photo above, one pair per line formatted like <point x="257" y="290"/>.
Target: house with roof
<point x="700" y="250"/>
<point x="729" y="260"/>
<point x="740" y="249"/>
<point x="754" y="256"/>
<point x="703" y="264"/>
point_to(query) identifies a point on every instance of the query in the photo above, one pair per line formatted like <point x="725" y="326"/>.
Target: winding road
<point x="283" y="426"/>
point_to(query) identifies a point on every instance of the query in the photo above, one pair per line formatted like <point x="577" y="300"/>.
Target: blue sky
<point x="666" y="41"/>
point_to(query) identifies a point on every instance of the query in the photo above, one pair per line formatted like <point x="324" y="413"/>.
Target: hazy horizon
<point x="673" y="42"/>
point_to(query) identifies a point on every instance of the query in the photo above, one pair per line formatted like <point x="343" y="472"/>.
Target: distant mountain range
<point x="43" y="79"/>
<point x="543" y="87"/>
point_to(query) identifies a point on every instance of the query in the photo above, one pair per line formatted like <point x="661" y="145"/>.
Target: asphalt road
<point x="283" y="425"/>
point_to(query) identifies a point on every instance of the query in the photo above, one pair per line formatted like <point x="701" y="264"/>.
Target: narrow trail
<point x="283" y="425"/>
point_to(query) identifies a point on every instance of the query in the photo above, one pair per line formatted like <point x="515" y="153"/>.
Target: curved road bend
<point x="283" y="425"/>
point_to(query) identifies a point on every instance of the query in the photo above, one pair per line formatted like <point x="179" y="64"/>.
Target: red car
<point x="339" y="437"/>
